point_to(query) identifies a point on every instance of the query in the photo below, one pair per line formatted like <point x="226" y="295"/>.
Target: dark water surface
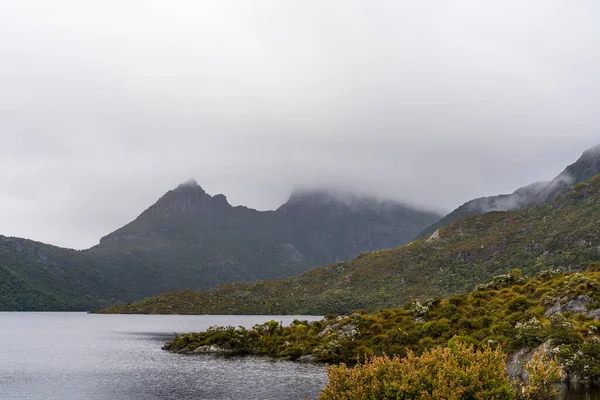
<point x="580" y="393"/>
<point x="109" y="357"/>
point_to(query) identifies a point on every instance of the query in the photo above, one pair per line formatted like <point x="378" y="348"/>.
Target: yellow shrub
<point x="452" y="373"/>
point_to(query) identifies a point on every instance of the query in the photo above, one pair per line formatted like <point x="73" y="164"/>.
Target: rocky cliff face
<point x="189" y="199"/>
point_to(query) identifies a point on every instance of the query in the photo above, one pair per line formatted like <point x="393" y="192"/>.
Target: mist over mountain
<point x="584" y="168"/>
<point x="191" y="239"/>
<point x="536" y="194"/>
<point x="104" y="105"/>
<point x="562" y="234"/>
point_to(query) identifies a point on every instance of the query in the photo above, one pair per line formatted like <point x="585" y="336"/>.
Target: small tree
<point x="544" y="374"/>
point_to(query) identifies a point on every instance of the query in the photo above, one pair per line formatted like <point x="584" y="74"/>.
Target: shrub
<point x="503" y="281"/>
<point x="436" y="328"/>
<point x="417" y="309"/>
<point x="519" y="303"/>
<point x="561" y="329"/>
<point x="544" y="374"/>
<point x="455" y="372"/>
<point x="530" y="333"/>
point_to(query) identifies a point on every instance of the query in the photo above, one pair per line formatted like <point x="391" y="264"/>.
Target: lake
<point x="108" y="357"/>
<point x="83" y="356"/>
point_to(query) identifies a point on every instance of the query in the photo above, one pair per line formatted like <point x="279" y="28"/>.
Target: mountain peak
<point x="190" y="199"/>
<point x="587" y="166"/>
<point x="189" y="184"/>
<point x="592" y="152"/>
<point x="325" y="204"/>
<point x="314" y="196"/>
<point x="330" y="200"/>
<point x="187" y="200"/>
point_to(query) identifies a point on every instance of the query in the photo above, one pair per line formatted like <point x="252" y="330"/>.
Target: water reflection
<point x="580" y="392"/>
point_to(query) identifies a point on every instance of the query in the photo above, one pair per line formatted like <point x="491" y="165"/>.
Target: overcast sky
<point x="106" y="105"/>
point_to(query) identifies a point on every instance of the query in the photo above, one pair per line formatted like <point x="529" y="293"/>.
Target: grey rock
<point x="307" y="359"/>
<point x="515" y="364"/>
<point x="577" y="306"/>
<point x="212" y="349"/>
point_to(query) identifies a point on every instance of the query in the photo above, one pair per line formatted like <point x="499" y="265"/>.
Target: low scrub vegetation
<point x="456" y="372"/>
<point x="557" y="309"/>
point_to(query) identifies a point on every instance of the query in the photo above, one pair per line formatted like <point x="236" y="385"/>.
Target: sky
<point x="106" y="105"/>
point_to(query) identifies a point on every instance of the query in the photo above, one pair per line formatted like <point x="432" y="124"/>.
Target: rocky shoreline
<point x="515" y="362"/>
<point x="556" y="313"/>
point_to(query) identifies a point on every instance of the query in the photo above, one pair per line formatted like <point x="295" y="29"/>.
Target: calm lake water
<point x="75" y="356"/>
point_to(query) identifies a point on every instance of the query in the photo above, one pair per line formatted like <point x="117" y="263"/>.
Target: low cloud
<point x="107" y="105"/>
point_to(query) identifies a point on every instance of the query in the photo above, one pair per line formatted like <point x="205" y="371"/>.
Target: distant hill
<point x="535" y="194"/>
<point x="190" y="239"/>
<point x="562" y="233"/>
<point x="37" y="276"/>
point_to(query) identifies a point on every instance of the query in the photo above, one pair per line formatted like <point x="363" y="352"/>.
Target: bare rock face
<point x="577" y="305"/>
<point x="435" y="236"/>
<point x="515" y="364"/>
<point x="186" y="201"/>
<point x="290" y="252"/>
<point x="190" y="199"/>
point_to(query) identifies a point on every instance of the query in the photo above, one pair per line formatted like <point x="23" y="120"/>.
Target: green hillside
<point x="40" y="277"/>
<point x="563" y="233"/>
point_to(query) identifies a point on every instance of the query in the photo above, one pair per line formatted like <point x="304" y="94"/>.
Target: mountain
<point x="535" y="194"/>
<point x="587" y="166"/>
<point x="561" y="233"/>
<point x="342" y="225"/>
<point x="190" y="239"/>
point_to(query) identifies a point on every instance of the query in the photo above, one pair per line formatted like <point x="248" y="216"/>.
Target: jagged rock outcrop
<point x="578" y="305"/>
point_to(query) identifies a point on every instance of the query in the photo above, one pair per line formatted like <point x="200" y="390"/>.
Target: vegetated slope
<point x="535" y="194"/>
<point x="189" y="239"/>
<point x="562" y="233"/>
<point x="559" y="310"/>
<point x="36" y="276"/>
